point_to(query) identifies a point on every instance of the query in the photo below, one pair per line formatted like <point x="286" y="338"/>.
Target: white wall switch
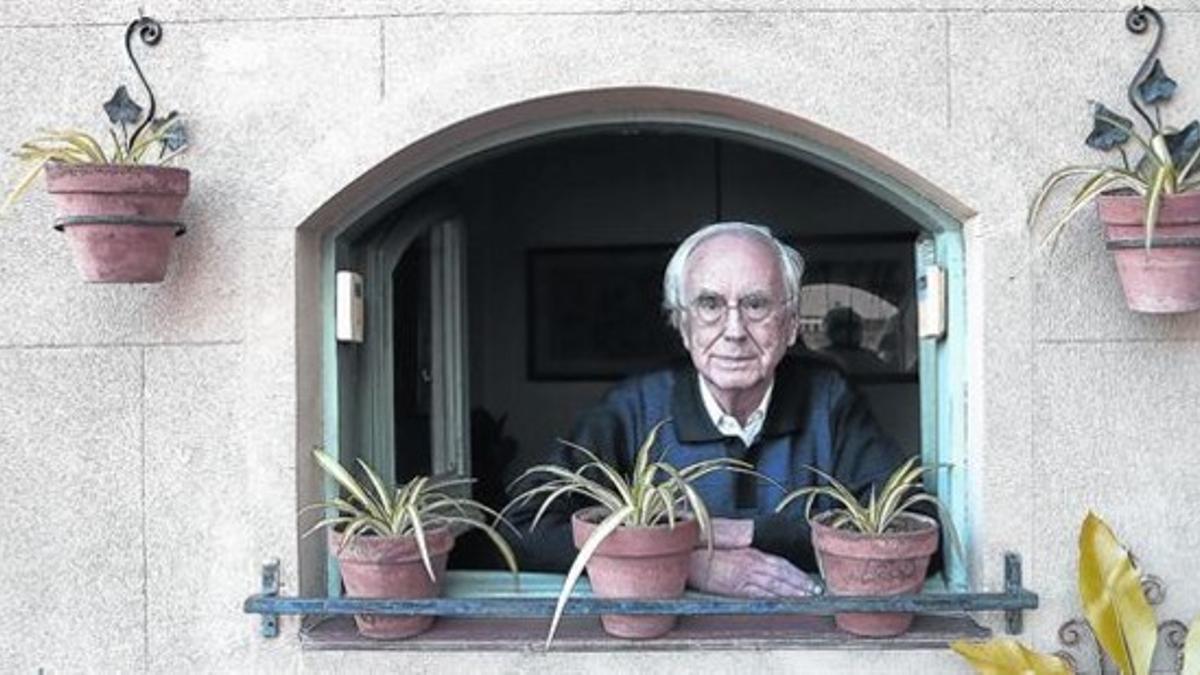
<point x="349" y="304"/>
<point x="931" y="303"/>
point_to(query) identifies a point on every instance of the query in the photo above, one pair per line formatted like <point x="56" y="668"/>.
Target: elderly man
<point x="733" y="291"/>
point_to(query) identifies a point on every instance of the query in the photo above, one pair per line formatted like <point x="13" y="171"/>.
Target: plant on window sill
<point x="638" y="541"/>
<point x="1153" y="205"/>
<point x="393" y="542"/>
<point x="881" y="547"/>
<point x="1116" y="607"/>
<point x="118" y="208"/>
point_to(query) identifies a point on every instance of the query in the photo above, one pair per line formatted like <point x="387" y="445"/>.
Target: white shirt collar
<point x="727" y="424"/>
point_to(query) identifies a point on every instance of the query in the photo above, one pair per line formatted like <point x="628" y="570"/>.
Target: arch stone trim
<point x="402" y="173"/>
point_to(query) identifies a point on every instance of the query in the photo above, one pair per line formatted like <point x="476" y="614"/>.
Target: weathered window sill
<point x="486" y="611"/>
<point x="582" y="634"/>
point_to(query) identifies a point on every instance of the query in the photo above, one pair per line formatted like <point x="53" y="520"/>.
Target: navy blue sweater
<point x="814" y="418"/>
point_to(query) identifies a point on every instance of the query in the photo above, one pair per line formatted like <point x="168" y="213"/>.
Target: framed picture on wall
<point x="594" y="313"/>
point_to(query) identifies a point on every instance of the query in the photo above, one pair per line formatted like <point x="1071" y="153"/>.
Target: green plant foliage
<point x="1003" y="656"/>
<point x="1116" y="608"/>
<point x="655" y="493"/>
<point x="419" y="505"/>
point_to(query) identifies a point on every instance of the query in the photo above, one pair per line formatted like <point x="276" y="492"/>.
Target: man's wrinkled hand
<point x="749" y="573"/>
<point x="730" y="533"/>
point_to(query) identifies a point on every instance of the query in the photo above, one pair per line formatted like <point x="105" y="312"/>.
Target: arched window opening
<point x="508" y="296"/>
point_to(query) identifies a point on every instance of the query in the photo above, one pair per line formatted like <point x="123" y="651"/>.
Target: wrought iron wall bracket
<point x="1083" y="653"/>
<point x="1013" y="601"/>
<point x="1013" y="621"/>
<point x="270" y="590"/>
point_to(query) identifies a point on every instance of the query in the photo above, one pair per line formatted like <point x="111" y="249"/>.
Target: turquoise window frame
<point x="942" y="360"/>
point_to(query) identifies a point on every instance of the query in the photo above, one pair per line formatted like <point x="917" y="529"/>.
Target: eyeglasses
<point x="710" y="308"/>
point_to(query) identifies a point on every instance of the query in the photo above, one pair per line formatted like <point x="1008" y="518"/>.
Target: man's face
<point x="735" y="353"/>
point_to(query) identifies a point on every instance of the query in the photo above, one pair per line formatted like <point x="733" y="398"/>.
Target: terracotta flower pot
<point x="391" y="567"/>
<point x="119" y="220"/>
<point x="637" y="562"/>
<point x="889" y="564"/>
<point x="1165" y="279"/>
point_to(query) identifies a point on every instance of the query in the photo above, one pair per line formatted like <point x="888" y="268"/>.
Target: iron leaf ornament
<point x="1183" y="143"/>
<point x="173" y="134"/>
<point x="129" y="119"/>
<point x="121" y="109"/>
<point x="1158" y="86"/>
<point x="1109" y="130"/>
<point x="167" y="133"/>
<point x="1150" y="87"/>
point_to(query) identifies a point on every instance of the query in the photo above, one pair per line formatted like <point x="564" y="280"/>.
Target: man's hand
<point x="748" y="572"/>
<point x="730" y="533"/>
<point x="734" y="568"/>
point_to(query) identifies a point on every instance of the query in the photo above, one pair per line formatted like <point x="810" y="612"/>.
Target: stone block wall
<point x="154" y="439"/>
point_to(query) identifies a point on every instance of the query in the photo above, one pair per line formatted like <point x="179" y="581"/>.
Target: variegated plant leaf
<point x="655" y="493"/>
<point x="604" y="528"/>
<point x="412" y="509"/>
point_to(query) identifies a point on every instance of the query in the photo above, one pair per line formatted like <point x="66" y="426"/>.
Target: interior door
<point x="413" y="398"/>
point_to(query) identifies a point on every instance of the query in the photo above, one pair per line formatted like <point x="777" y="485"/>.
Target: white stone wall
<point x="149" y="435"/>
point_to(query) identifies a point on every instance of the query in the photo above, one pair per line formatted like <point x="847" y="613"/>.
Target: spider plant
<point x="1169" y="155"/>
<point x="152" y="141"/>
<point x="653" y="494"/>
<point x="903" y="491"/>
<point x="1161" y="171"/>
<point x="421" y="504"/>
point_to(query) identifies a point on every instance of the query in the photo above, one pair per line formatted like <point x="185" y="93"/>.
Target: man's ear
<point x="793" y="328"/>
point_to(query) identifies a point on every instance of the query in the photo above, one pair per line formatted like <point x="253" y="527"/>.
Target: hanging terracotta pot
<point x="894" y="563"/>
<point x="1166" y="278"/>
<point x="391" y="567"/>
<point x="637" y="562"/>
<point x="120" y="220"/>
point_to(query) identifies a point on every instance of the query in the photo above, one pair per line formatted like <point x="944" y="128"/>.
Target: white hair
<point x="791" y="265"/>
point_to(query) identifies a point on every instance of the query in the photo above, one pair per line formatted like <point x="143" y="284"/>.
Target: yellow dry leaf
<point x="1004" y="656"/>
<point x="1110" y="590"/>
